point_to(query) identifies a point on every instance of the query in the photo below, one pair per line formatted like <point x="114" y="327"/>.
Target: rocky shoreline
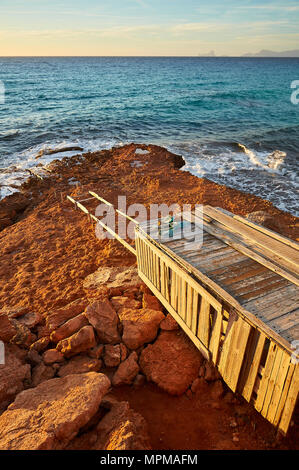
<point x="92" y="359"/>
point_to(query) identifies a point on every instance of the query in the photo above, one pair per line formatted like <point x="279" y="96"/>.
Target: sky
<point x="146" y="27"/>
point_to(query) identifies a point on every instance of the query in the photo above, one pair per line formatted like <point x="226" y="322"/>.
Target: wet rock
<point x="80" y="365"/>
<point x="52" y="355"/>
<point x="81" y="341"/>
<point x="126" y="371"/>
<point x="14" y="375"/>
<point x="69" y="328"/>
<point x="57" y="317"/>
<point x="50" y="415"/>
<point x="172" y="362"/>
<point x="140" y="326"/>
<point x="104" y="319"/>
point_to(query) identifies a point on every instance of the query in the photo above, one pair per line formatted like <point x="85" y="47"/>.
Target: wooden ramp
<point x="235" y="294"/>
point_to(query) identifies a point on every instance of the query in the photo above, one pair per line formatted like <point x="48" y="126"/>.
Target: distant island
<point x="267" y="53"/>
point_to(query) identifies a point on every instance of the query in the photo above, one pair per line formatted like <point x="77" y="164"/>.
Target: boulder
<point x="81" y="341"/>
<point x="169" y="323"/>
<point x="127" y="371"/>
<point x="104" y="319"/>
<point x="151" y="302"/>
<point x="14" y="375"/>
<point x="106" y="279"/>
<point x="80" y="365"/>
<point x="52" y="355"/>
<point x="41" y="344"/>
<point x="121" y="302"/>
<point x="211" y="373"/>
<point x="122" y="429"/>
<point x="40" y="373"/>
<point x="172" y="362"/>
<point x="112" y="355"/>
<point x="7" y="327"/>
<point x="50" y="415"/>
<point x="140" y="326"/>
<point x="30" y="319"/>
<point x="96" y="352"/>
<point x="69" y="328"/>
<point x="57" y="317"/>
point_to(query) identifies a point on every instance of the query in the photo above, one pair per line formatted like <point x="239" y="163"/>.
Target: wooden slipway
<point x="232" y="286"/>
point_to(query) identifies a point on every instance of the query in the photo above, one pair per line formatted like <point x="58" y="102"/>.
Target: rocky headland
<point x="92" y="359"/>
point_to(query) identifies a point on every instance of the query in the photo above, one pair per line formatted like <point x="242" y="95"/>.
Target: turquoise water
<point x="200" y="108"/>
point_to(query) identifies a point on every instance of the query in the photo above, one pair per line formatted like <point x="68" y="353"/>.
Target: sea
<point x="234" y="120"/>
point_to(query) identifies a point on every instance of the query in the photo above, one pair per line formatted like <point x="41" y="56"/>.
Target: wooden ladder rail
<point x="93" y="217"/>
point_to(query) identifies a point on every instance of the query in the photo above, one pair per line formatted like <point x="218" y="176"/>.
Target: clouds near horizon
<point x="146" y="27"/>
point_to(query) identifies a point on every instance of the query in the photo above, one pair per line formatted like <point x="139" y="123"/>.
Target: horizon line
<point x="245" y="56"/>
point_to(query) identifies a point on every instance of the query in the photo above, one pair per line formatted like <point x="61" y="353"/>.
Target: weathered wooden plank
<point x="177" y="317"/>
<point x="230" y="239"/>
<point x="278" y="386"/>
<point x="216" y="335"/>
<point x="275" y="304"/>
<point x="189" y="308"/>
<point x="284" y="394"/>
<point x="251" y="318"/>
<point x="203" y="330"/>
<point x="290" y="402"/>
<point x="183" y="294"/>
<point x="286" y="253"/>
<point x="272" y="380"/>
<point x="256" y="293"/>
<point x="195" y="312"/>
<point x="266" y="376"/>
<point x="284" y="322"/>
<point x="233" y="350"/>
<point x="251" y="363"/>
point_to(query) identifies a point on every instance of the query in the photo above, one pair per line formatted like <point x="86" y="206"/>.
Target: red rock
<point x="81" y="341"/>
<point x="139" y="380"/>
<point x="211" y="373"/>
<point x="172" y="362"/>
<point x="80" y="365"/>
<point x="30" y="319"/>
<point x="7" y="328"/>
<point x="50" y="415"/>
<point x="33" y="357"/>
<point x="198" y="384"/>
<point x="104" y="319"/>
<point x="217" y="390"/>
<point x="169" y="324"/>
<point x="41" y="344"/>
<point x="57" y="317"/>
<point x="151" y="302"/>
<point x="120" y="302"/>
<point x="52" y="355"/>
<point x="69" y="328"/>
<point x="96" y="352"/>
<point x="41" y="373"/>
<point x="112" y="355"/>
<point x="123" y="352"/>
<point x="140" y="326"/>
<point x="14" y="375"/>
<point x="126" y="371"/>
<point x="122" y="429"/>
<point x="107" y="279"/>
